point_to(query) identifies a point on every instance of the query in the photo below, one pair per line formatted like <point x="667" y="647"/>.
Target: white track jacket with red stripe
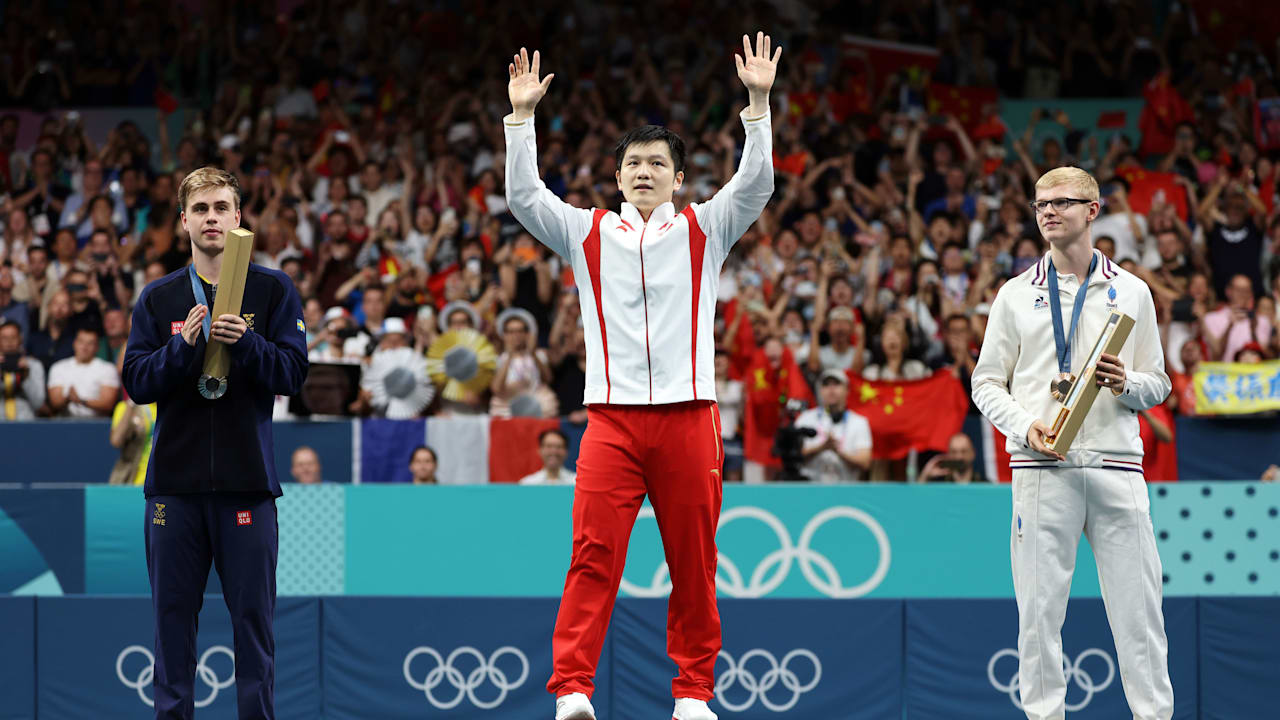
<point x="647" y="290"/>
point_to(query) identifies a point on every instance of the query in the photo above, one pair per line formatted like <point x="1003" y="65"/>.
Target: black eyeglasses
<point x="1059" y="204"/>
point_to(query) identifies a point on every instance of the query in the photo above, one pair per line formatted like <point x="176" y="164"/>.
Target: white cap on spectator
<point x="833" y="374"/>
<point x="841" y="312"/>
<point x="451" y="308"/>
<point x="334" y="313"/>
<point x="228" y="142"/>
<point x="515" y="312"/>
<point x="394" y="325"/>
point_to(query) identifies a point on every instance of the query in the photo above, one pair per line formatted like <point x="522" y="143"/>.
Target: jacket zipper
<point x="644" y="293"/>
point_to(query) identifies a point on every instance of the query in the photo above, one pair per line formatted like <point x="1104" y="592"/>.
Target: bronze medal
<point x="1060" y="386"/>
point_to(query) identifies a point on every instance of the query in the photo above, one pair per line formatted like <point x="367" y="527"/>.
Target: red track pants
<point x="673" y="453"/>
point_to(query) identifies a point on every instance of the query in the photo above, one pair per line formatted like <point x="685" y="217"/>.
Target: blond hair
<point x="1082" y="184"/>
<point x="205" y="178"/>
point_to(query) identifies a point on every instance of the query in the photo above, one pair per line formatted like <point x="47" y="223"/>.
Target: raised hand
<point x="757" y="69"/>
<point x="524" y="88"/>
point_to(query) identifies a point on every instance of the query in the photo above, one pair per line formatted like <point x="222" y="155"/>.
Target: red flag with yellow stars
<point x="1165" y="108"/>
<point x="1149" y="186"/>
<point x="970" y="105"/>
<point x="768" y="388"/>
<point x="919" y="414"/>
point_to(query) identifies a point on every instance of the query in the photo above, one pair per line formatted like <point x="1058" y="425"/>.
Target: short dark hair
<point x="648" y="134"/>
<point x="97" y="334"/>
<point x="552" y="431"/>
<point x="414" y="454"/>
<point x="13" y="324"/>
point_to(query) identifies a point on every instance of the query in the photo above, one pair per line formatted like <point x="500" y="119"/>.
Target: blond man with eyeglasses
<point x="1042" y="326"/>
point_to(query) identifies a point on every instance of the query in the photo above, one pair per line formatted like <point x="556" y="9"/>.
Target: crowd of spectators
<point x="367" y="141"/>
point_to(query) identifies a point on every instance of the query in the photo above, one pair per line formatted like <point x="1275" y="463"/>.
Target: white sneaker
<point x="690" y="709"/>
<point x="575" y="706"/>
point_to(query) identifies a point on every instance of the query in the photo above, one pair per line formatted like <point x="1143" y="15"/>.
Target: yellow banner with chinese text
<point x="1237" y="388"/>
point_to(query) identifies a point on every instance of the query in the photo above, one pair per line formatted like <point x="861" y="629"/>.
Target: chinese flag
<point x="793" y="164"/>
<point x="992" y="127"/>
<point x="802" y="104"/>
<point x="435" y="284"/>
<point x="742" y="353"/>
<point x="886" y="58"/>
<point x="165" y="102"/>
<point x="387" y="97"/>
<point x="919" y="414"/>
<point x="968" y="104"/>
<point x="1145" y="186"/>
<point x="1165" y="108"/>
<point x="855" y="100"/>
<point x="1112" y="120"/>
<point x="767" y="391"/>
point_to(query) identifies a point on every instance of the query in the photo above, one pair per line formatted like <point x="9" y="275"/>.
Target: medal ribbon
<point x="197" y="289"/>
<point x="1060" y="340"/>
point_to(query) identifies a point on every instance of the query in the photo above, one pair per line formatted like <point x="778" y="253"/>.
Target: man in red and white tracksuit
<point x="647" y="279"/>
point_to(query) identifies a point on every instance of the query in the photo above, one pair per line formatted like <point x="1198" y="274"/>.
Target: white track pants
<point x="1051" y="507"/>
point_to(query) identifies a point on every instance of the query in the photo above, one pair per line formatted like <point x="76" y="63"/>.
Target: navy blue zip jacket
<point x="221" y="445"/>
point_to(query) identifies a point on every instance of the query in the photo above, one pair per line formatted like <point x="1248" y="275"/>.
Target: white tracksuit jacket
<point x="1018" y="359"/>
<point x="647" y="291"/>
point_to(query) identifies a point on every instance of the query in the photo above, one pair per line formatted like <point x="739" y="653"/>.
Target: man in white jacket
<point x="1043" y="323"/>
<point x="647" y="280"/>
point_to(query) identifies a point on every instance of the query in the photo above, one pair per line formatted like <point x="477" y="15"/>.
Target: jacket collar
<point x="661" y="214"/>
<point x="1105" y="272"/>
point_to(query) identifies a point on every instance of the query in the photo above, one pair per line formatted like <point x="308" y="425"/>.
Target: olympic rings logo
<point x="203" y="671"/>
<point x="486" y="669"/>
<point x="774" y="568"/>
<point x="758" y="688"/>
<point x="1073" y="670"/>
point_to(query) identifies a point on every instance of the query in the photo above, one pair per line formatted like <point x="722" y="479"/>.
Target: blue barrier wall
<point x="776" y="541"/>
<point x="355" y="658"/>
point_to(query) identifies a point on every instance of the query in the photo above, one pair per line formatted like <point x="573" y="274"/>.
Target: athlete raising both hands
<point x="647" y="278"/>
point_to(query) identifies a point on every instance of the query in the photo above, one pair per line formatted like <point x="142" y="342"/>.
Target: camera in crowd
<point x="9" y="362"/>
<point x="788" y="442"/>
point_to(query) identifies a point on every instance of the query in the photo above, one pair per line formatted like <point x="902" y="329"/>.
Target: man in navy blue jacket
<point x="211" y="483"/>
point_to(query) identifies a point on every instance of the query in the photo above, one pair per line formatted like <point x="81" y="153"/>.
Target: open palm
<point x="524" y="88"/>
<point x="757" y="69"/>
